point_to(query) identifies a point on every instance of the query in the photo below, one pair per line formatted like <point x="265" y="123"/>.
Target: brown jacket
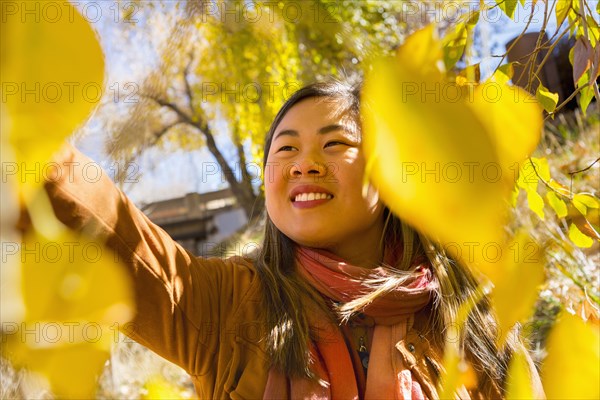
<point x="202" y="314"/>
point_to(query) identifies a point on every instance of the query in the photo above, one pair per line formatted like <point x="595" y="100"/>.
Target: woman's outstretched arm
<point x="181" y="300"/>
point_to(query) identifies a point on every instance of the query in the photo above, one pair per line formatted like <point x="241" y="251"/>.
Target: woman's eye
<point x="286" y="148"/>
<point x="334" y="143"/>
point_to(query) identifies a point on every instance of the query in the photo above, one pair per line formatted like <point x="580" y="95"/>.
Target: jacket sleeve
<point x="181" y="300"/>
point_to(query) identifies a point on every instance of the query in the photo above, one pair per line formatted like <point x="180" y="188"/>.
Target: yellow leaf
<point x="469" y="75"/>
<point x="547" y="99"/>
<point x="562" y="10"/>
<point x="413" y="163"/>
<point x="562" y="189"/>
<point x="76" y="296"/>
<point x="503" y="74"/>
<point x="586" y="199"/>
<point x="579" y="238"/>
<point x="512" y="118"/>
<point x="557" y="204"/>
<point x="536" y="203"/>
<point x="427" y="138"/>
<point x="542" y="168"/>
<point x="519" y="385"/>
<point x="572" y="368"/>
<point x="514" y="196"/>
<point x="422" y="51"/>
<point x="516" y="268"/>
<point x="580" y="205"/>
<point x="528" y="178"/>
<point x="508" y="6"/>
<point x="52" y="77"/>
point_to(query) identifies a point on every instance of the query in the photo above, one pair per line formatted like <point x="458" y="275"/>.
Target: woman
<point x="343" y="301"/>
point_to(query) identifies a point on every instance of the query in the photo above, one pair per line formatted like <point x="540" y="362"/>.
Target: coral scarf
<point x="387" y="377"/>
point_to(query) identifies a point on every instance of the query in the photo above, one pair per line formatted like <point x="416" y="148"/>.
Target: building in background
<point x="198" y="221"/>
<point x="556" y="74"/>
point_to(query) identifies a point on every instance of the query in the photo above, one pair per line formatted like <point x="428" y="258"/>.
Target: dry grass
<point x="573" y="274"/>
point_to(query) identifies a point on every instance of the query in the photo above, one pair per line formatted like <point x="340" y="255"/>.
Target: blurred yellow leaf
<point x="513" y="119"/>
<point x="429" y="139"/>
<point x="52" y="77"/>
<point x="579" y="238"/>
<point x="158" y="388"/>
<point x="76" y="295"/>
<point x="572" y="368"/>
<point x="547" y="99"/>
<point x="519" y="385"/>
<point x="516" y="268"/>
<point x="557" y="204"/>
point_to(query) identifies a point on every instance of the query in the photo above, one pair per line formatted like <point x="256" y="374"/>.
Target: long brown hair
<point x="286" y="295"/>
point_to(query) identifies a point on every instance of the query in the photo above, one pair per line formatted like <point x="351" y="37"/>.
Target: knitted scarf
<point x="387" y="377"/>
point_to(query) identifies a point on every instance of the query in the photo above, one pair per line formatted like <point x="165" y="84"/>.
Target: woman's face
<point x="313" y="183"/>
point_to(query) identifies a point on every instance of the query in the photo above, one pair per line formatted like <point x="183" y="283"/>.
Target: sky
<point x="173" y="174"/>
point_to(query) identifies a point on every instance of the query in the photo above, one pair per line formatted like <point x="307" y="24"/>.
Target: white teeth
<point x="312" y="196"/>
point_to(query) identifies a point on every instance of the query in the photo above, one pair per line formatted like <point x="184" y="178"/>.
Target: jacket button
<point x="411" y="347"/>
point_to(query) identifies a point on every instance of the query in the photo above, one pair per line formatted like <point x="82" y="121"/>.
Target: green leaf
<point x="547" y="99"/>
<point x="536" y="203"/>
<point x="557" y="204"/>
<point x="572" y="368"/>
<point x="508" y="6"/>
<point x="579" y="238"/>
<point x="520" y="269"/>
<point x="454" y="45"/>
<point x="585" y="98"/>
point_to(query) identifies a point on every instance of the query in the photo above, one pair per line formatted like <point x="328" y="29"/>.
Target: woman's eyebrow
<point x="324" y="130"/>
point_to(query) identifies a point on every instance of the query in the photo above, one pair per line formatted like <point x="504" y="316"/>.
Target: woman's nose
<point x="307" y="168"/>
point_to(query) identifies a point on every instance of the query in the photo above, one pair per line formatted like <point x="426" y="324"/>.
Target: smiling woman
<point x="343" y="301"/>
<point x="315" y="195"/>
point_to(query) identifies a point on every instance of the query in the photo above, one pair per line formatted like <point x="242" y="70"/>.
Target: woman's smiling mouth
<point x="306" y="196"/>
